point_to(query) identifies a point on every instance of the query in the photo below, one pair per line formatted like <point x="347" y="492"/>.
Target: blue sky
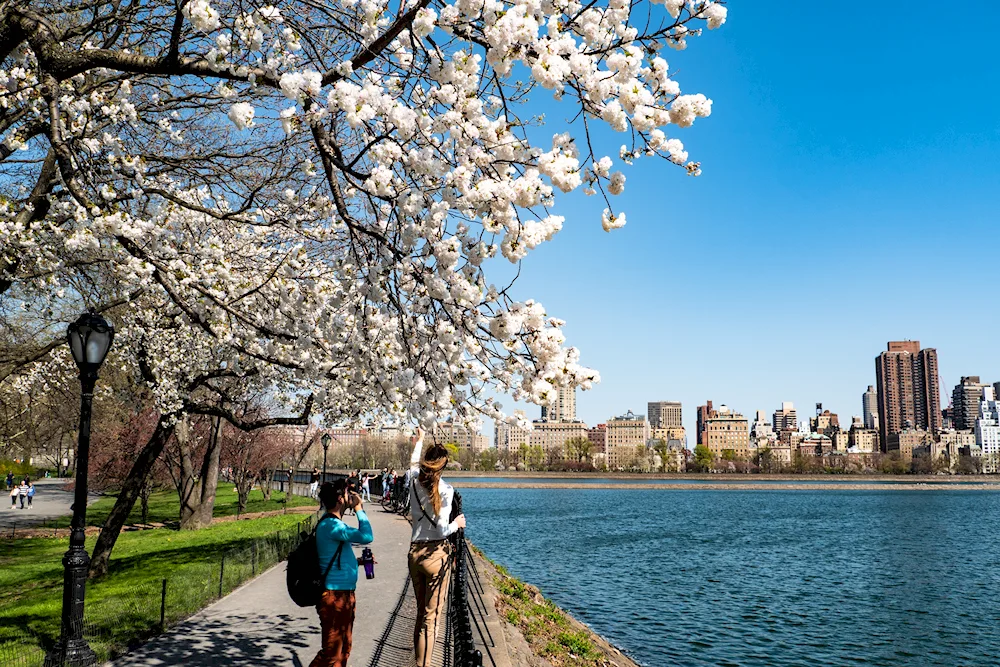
<point x="849" y="197"/>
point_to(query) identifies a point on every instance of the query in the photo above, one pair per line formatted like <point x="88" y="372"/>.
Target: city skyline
<point x="590" y="411"/>
<point x="764" y="279"/>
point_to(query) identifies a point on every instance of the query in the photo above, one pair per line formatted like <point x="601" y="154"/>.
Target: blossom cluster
<point x="316" y="203"/>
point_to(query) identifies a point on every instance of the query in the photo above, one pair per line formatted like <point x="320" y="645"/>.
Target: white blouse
<point x="428" y="527"/>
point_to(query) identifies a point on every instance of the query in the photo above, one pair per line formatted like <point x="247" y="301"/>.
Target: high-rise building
<point x="552" y="437"/>
<point x="825" y="422"/>
<point x="458" y="434"/>
<point x="563" y="409"/>
<point x="762" y="433"/>
<point x="727" y="429"/>
<point x="965" y="400"/>
<point x="662" y="414"/>
<point x="598" y="436"/>
<point x="704" y="413"/>
<point x="908" y="389"/>
<point x="988" y="430"/>
<point x="869" y="408"/>
<point x="784" y="418"/>
<point x="626" y="438"/>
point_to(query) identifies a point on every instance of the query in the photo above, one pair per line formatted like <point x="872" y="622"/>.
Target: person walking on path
<point x="333" y="538"/>
<point x="14" y="492"/>
<point x="22" y="491"/>
<point x="429" y="559"/>
<point x="314" y="482"/>
<point x="10" y="480"/>
<point x="31" y="493"/>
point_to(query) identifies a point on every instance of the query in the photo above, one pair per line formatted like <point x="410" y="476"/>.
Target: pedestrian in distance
<point x="31" y="493"/>
<point x="314" y="482"/>
<point x="390" y="479"/>
<point x="10" y="480"/>
<point x="337" y="560"/>
<point x="366" y="493"/>
<point x="14" y="492"/>
<point x="429" y="559"/>
<point x="22" y="491"/>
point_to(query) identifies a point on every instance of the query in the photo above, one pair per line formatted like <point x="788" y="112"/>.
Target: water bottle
<point x="368" y="560"/>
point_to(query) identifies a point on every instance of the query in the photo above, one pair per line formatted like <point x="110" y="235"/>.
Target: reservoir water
<point x="761" y="578"/>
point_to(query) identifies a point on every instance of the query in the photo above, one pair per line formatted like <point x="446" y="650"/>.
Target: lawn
<point x="124" y="606"/>
<point x="164" y="506"/>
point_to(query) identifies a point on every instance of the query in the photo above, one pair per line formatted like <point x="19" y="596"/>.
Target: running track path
<point x="258" y="624"/>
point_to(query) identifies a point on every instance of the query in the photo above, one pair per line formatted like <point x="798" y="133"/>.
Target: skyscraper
<point x="563" y="409"/>
<point x="785" y="418"/>
<point x="704" y="413"/>
<point x="908" y="389"/>
<point x="965" y="399"/>
<point x="869" y="408"/>
<point x="988" y="430"/>
<point x="727" y="429"/>
<point x="662" y="414"/>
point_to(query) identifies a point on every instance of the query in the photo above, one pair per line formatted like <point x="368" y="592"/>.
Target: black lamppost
<point x="326" y="446"/>
<point x="89" y="340"/>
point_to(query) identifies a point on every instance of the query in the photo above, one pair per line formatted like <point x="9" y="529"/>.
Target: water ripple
<point x="751" y="579"/>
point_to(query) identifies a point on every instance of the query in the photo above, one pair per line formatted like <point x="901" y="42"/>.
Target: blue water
<point x="721" y="479"/>
<point x="743" y="578"/>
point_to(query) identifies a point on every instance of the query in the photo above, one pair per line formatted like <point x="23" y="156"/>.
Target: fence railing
<point x="461" y="614"/>
<point x="114" y="624"/>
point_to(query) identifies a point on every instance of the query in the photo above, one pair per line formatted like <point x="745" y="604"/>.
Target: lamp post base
<point x="74" y="653"/>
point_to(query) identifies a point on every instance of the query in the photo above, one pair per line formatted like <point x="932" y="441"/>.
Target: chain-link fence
<point x="116" y="623"/>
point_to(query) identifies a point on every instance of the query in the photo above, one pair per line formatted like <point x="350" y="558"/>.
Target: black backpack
<point x="303" y="578"/>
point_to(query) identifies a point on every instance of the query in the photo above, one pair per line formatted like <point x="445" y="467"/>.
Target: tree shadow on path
<point x="235" y="640"/>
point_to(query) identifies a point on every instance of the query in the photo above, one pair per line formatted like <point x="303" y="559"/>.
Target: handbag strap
<point x="413" y="483"/>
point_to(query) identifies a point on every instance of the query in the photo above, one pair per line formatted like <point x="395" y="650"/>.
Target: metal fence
<point x="466" y="606"/>
<point x="114" y="624"/>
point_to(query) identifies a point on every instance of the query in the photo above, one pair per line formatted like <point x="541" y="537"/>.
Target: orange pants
<point x="336" y="616"/>
<point x="430" y="570"/>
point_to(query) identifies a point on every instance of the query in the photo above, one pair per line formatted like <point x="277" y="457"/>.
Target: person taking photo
<point x="337" y="560"/>
<point x="429" y="559"/>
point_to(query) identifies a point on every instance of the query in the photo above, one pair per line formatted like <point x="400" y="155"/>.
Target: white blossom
<point x="241" y="114"/>
<point x="201" y="15"/>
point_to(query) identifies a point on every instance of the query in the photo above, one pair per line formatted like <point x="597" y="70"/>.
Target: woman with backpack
<point x="429" y="559"/>
<point x="338" y="562"/>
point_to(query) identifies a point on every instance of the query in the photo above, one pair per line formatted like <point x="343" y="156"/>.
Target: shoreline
<point x="545" y="634"/>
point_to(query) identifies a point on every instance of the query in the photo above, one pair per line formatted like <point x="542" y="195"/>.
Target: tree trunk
<point x="187" y="485"/>
<point x="266" y="482"/>
<point x="197" y="510"/>
<point x="147" y="489"/>
<point x="112" y="527"/>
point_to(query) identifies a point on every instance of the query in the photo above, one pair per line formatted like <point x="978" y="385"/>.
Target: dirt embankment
<point x="533" y="631"/>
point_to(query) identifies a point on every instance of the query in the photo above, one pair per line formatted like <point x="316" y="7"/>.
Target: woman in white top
<point x="430" y="552"/>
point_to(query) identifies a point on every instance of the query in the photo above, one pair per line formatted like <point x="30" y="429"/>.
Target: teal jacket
<point x="330" y="534"/>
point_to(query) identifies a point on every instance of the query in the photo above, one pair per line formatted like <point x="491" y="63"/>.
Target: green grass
<point x="124" y="606"/>
<point x="545" y="626"/>
<point x="164" y="506"/>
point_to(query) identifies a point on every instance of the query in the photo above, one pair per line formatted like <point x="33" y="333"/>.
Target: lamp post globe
<point x="326" y="446"/>
<point x="90" y="338"/>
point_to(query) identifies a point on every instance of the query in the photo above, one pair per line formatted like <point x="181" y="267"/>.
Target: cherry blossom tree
<point x="252" y="457"/>
<point x="307" y="196"/>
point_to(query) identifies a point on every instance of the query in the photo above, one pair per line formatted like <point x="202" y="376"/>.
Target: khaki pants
<point x="430" y="570"/>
